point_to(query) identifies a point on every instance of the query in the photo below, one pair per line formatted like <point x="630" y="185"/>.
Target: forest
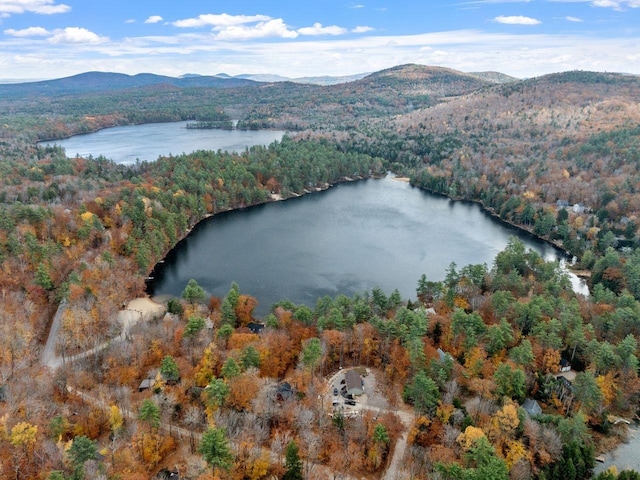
<point x="196" y="390"/>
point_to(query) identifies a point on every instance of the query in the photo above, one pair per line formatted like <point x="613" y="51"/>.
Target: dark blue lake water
<point x="348" y="239"/>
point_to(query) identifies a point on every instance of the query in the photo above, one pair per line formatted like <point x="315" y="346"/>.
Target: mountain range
<point x="94" y="82"/>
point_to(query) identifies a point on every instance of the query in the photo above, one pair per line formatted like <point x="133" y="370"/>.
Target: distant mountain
<point x="436" y="82"/>
<point x="495" y="77"/>
<point x="263" y="77"/>
<point x="320" y="80"/>
<point x="95" y="82"/>
<point x="325" y="80"/>
<point x="92" y="82"/>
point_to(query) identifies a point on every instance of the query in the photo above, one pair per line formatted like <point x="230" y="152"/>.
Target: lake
<point x="625" y="457"/>
<point x="147" y="142"/>
<point x="345" y="240"/>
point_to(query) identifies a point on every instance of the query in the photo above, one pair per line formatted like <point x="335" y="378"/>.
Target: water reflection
<point x="346" y="240"/>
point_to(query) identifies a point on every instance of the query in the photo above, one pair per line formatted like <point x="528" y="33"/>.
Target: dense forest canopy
<point x="452" y="368"/>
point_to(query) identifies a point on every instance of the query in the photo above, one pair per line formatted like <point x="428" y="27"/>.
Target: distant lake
<point x="346" y="240"/>
<point x="147" y="142"/>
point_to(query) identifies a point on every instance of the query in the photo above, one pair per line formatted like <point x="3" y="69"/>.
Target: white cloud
<point x="362" y="29"/>
<point x="359" y="5"/>
<point x="28" y="32"/>
<point x="44" y="7"/>
<point x="218" y="21"/>
<point x="75" y="35"/>
<point x="573" y="19"/>
<point x="318" y="29"/>
<point x="130" y="20"/>
<point x="28" y="59"/>
<point x="516" y="20"/>
<point x="606" y="4"/>
<point x="616" y="4"/>
<point x="275" y="28"/>
<point x="154" y="19"/>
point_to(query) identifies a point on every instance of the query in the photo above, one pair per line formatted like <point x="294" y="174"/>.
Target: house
<point x="578" y="208"/>
<point x="564" y="385"/>
<point x="565" y="365"/>
<point x="166" y="474"/>
<point x="354" y="383"/>
<point x="284" y="392"/>
<point x="532" y="407"/>
<point x="146" y="384"/>
<point x="564" y="390"/>
<point x="255" y="327"/>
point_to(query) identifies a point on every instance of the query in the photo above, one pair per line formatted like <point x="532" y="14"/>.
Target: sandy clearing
<point x="147" y="307"/>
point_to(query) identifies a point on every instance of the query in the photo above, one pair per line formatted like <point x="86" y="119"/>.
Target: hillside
<point x="424" y="80"/>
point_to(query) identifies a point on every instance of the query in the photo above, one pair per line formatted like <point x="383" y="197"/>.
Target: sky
<point x="43" y="39"/>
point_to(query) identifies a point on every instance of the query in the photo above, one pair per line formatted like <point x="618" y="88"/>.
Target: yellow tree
<point x="469" y="437"/>
<point x="116" y="423"/>
<point x="23" y="437"/>
<point x="514" y="451"/>
<point x="208" y="367"/>
<point x="505" y="422"/>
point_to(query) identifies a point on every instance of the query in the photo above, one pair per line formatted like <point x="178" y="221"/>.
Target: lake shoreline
<point x="330" y="281"/>
<point x="624" y="455"/>
<point x="326" y="186"/>
<point x="292" y="195"/>
<point x="580" y="273"/>
<point x="133" y="124"/>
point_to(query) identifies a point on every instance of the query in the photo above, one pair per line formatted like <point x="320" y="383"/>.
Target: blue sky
<point x="524" y="38"/>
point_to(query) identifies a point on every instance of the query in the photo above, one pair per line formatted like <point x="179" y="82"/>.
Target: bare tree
<point x="279" y="442"/>
<point x="193" y="419"/>
<point x="311" y="443"/>
<point x="304" y="418"/>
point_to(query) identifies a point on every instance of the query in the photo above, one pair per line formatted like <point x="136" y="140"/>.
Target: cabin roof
<point x="353" y="382"/>
<point x="255" y="327"/>
<point x="146" y="384"/>
<point x="532" y="407"/>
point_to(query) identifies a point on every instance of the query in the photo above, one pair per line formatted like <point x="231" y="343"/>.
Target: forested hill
<point x="427" y="80"/>
<point x="105" y="82"/>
